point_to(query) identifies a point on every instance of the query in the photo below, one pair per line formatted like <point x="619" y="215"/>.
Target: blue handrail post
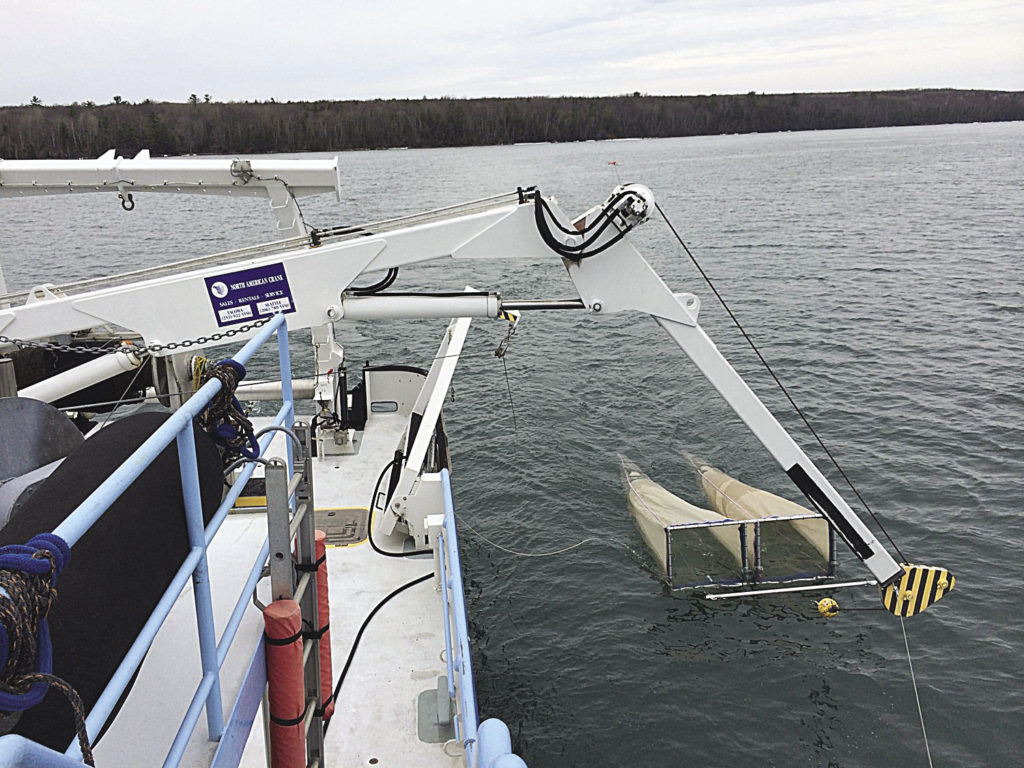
<point x="78" y="522"/>
<point x="446" y="584"/>
<point x="177" y="428"/>
<point x="285" y="367"/>
<point x="487" y="743"/>
<point x="462" y="662"/>
<point x="201" y="578"/>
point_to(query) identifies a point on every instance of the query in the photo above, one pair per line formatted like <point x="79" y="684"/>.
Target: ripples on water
<point x="879" y="271"/>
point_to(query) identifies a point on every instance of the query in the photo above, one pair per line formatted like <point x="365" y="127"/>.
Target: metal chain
<point x="203" y="340"/>
<point x="137" y="348"/>
<point x="23" y="343"/>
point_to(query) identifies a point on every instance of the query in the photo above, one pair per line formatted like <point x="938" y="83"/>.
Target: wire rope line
<point x="562" y="551"/>
<point x="917" y="697"/>
<point x="781" y="386"/>
<point x="28" y="594"/>
<point x="127" y="389"/>
<point x="508" y="386"/>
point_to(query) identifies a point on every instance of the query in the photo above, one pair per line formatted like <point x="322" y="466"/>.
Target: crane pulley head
<point x="918" y="588"/>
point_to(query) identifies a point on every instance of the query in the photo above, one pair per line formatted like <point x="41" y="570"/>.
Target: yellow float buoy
<point x="828" y="607"/>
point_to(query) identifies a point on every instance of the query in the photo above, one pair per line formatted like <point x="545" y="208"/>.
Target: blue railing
<point x="489" y="745"/>
<point x="17" y="751"/>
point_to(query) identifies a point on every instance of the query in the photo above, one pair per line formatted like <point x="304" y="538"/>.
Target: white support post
<point x="424" y="306"/>
<point x="411" y="503"/>
<point x="85" y="375"/>
<point x="256" y="177"/>
<point x="286" y="211"/>
<point x="620" y="279"/>
<point x="766" y="428"/>
<point x="329" y="356"/>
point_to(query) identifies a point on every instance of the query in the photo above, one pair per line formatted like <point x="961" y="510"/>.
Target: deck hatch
<point x="343" y="526"/>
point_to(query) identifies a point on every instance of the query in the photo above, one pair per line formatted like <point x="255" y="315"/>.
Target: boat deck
<point x="400" y="656"/>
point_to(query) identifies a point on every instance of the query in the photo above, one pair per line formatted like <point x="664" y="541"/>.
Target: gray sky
<point x="78" y="50"/>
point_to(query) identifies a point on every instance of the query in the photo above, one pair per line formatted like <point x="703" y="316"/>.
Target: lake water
<point x="880" y="273"/>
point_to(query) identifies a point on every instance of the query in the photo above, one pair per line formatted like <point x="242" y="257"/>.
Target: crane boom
<point x="310" y="278"/>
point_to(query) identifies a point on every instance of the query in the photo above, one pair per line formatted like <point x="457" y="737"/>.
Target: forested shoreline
<point x="205" y="126"/>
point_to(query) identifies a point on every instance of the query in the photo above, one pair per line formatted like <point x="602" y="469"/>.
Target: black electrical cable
<point x="782" y="386"/>
<point x="342" y="230"/>
<point x="574" y="253"/>
<point x="369" y="525"/>
<point x="602" y="222"/>
<point x="586" y="229"/>
<point x="386" y="282"/>
<point x="359" y="634"/>
<point x="542" y="214"/>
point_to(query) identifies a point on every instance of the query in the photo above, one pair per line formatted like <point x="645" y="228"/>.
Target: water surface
<point x="880" y="273"/>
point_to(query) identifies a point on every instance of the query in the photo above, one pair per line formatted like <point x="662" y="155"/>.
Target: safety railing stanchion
<point x="282" y="573"/>
<point x="201" y="580"/>
<point x="446" y="608"/>
<point x="308" y="599"/>
<point x="296" y="577"/>
<point x="178" y="428"/>
<point x="462" y="664"/>
<point x="285" y="366"/>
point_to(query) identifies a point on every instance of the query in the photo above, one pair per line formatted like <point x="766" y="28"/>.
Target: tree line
<point x="205" y="126"/>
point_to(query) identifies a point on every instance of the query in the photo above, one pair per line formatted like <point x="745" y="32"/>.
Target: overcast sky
<point x="79" y="50"/>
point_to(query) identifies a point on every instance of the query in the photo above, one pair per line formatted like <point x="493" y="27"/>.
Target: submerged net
<point x="749" y="535"/>
<point x="802" y="543"/>
<point x="710" y="552"/>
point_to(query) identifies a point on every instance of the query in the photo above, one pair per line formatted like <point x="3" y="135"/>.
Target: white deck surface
<point x="400" y="654"/>
<point x="171" y="670"/>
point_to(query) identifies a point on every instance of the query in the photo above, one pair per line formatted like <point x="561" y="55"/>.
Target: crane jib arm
<point x="315" y="275"/>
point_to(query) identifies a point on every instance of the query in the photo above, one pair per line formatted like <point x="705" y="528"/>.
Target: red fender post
<point x="324" y="630"/>
<point x="282" y="621"/>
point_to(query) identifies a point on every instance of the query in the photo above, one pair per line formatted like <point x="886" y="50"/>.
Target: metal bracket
<point x="290" y="517"/>
<point x="286" y="211"/>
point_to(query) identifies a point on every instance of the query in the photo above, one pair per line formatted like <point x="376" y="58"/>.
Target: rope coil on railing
<point x="223" y="419"/>
<point x="28" y="578"/>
